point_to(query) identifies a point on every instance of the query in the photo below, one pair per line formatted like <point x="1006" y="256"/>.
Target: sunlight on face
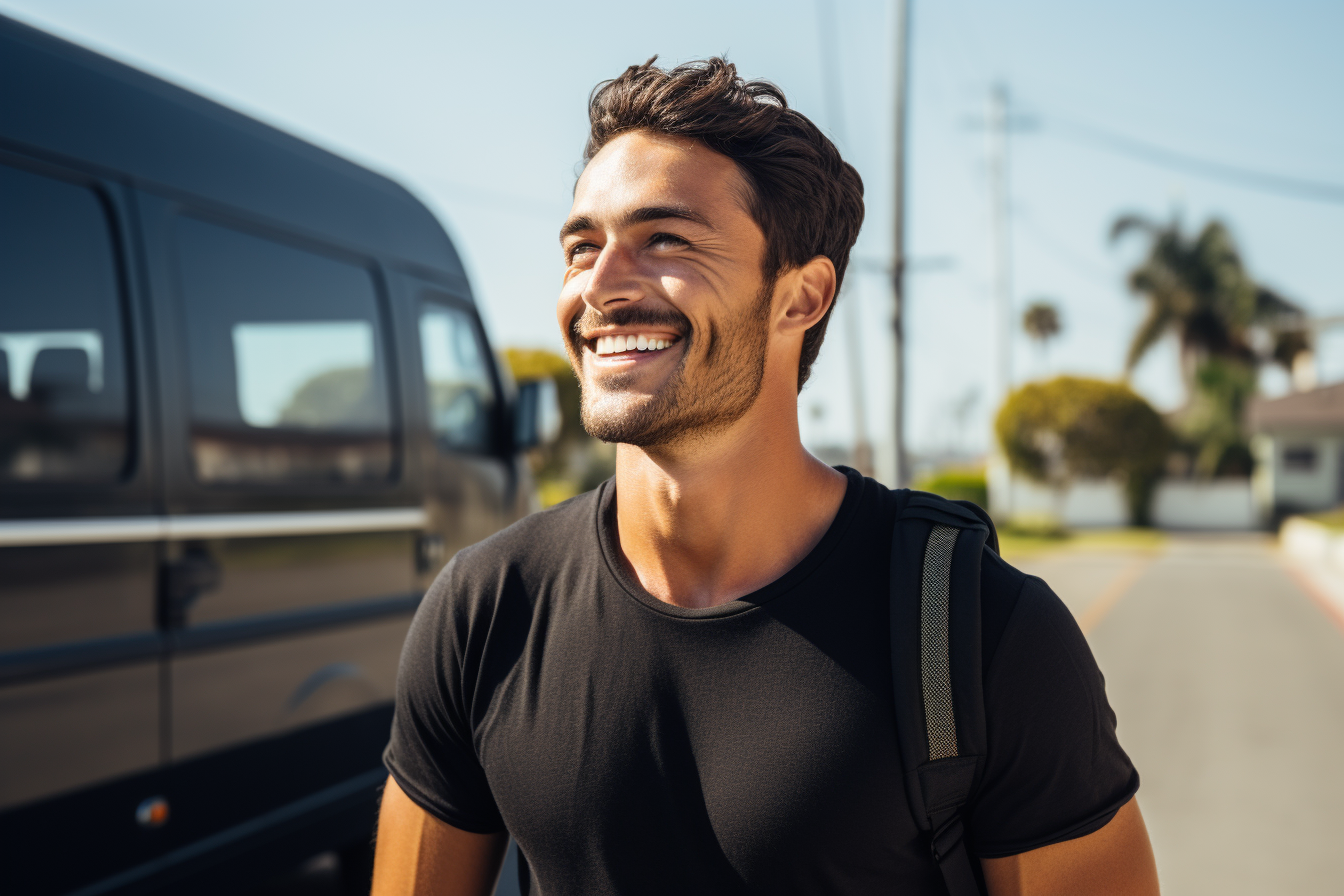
<point x="659" y="245"/>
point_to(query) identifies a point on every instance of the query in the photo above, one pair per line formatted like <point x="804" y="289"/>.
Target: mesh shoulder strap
<point x="936" y="675"/>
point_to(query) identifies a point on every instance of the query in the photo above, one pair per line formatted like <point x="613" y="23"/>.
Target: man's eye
<point x="668" y="239"/>
<point x="579" y="249"/>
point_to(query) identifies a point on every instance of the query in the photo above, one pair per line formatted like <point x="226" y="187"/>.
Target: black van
<point x="247" y="410"/>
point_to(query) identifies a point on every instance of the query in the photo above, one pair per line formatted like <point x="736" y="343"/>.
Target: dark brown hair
<point x="806" y="199"/>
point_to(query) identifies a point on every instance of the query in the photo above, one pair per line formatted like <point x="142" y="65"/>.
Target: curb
<point x="1315" y="556"/>
<point x="1313" y="543"/>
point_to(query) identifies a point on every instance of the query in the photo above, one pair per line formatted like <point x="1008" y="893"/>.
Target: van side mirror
<point x="536" y="414"/>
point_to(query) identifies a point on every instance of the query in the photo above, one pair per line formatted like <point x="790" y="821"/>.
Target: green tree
<point x="1212" y="422"/>
<point x="1069" y="427"/>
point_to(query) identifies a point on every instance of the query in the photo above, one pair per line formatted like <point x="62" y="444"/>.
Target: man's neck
<point x="714" y="520"/>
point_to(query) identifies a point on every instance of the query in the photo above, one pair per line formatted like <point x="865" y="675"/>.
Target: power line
<point x="1299" y="188"/>
<point x="1064" y="253"/>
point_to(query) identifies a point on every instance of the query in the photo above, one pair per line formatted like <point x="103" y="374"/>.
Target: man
<point x="680" y="683"/>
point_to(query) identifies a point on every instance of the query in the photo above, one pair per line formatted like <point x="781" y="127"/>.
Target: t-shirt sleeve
<point x="1055" y="768"/>
<point x="432" y="754"/>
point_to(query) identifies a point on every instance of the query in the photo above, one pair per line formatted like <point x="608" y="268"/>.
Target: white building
<point x="1298" y="444"/>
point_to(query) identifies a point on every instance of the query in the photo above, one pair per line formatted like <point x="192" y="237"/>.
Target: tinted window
<point x="457" y="377"/>
<point x="63" y="402"/>
<point x="286" y="361"/>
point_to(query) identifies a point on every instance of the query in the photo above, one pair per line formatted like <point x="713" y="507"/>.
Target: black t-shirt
<point x="635" y="747"/>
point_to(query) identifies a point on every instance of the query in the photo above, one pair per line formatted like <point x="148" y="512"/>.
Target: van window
<point x="457" y="377"/>
<point x="285" y="356"/>
<point x="63" y="400"/>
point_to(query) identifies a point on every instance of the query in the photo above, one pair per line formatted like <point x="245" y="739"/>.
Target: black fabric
<point x="631" y="746"/>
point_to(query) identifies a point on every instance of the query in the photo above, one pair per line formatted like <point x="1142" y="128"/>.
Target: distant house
<point x="1298" y="442"/>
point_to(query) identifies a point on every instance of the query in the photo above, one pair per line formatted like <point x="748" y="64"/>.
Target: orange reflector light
<point x="152" y="813"/>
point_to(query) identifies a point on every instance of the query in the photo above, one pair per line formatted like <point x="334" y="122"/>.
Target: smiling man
<point x="681" y="682"/>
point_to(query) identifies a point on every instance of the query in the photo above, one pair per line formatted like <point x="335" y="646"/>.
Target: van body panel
<point x="313" y="423"/>
<point x="53" y="724"/>
<point x="267" y="687"/>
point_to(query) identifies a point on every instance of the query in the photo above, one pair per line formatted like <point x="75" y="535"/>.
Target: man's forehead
<point x="641" y="170"/>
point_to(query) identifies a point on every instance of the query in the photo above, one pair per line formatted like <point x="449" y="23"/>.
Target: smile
<point x="613" y="345"/>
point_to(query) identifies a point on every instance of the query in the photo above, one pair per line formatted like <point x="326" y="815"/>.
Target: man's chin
<point x="626" y="418"/>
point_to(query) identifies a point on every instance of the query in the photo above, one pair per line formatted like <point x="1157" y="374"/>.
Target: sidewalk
<point x="1312" y="554"/>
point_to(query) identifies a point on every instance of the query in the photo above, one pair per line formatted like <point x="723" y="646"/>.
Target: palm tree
<point x="1198" y="289"/>
<point x="1041" y="322"/>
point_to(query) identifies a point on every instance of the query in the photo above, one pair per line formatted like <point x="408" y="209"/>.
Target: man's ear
<point x="809" y="292"/>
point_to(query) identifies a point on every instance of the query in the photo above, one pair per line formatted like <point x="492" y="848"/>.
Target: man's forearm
<point x="418" y="855"/>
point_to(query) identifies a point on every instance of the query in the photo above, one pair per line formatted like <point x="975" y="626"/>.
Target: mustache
<point x="627" y="316"/>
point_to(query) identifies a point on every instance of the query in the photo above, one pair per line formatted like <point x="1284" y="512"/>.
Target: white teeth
<point x="610" y="345"/>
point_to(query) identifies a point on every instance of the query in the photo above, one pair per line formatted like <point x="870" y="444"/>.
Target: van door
<point x="293" y="529"/>
<point x="469" y="476"/>
<point x="80" y="669"/>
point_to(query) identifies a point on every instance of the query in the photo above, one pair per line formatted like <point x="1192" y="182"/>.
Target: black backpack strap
<point x="936" y="674"/>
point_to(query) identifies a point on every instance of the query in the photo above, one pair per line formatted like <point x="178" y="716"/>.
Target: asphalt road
<point x="1228" y="682"/>
<point x="1229" y="685"/>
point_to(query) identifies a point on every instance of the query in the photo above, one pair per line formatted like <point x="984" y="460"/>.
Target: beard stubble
<point x="700" y="396"/>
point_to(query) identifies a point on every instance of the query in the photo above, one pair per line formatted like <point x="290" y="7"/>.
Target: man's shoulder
<point x="999" y="579"/>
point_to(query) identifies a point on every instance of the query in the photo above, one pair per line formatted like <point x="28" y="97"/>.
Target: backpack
<point x="936" y="548"/>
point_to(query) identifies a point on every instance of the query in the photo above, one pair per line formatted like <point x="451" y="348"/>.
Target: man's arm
<point x="1114" y="861"/>
<point x="418" y="854"/>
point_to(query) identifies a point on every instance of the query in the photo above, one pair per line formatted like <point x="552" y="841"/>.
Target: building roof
<point x="64" y="101"/>
<point x="1321" y="408"/>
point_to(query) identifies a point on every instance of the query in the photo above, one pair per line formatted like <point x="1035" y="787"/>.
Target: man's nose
<point x="614" y="279"/>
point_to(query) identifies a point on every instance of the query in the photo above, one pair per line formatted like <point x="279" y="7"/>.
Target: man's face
<point x="661" y="252"/>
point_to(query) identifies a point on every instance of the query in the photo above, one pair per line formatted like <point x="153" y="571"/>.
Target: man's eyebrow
<point x="574" y="225"/>
<point x="638" y="216"/>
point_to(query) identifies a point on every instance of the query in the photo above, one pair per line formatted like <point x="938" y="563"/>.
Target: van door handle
<point x="181" y="584"/>
<point x="428" y="552"/>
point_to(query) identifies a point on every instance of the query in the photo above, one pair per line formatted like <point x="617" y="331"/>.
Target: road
<point x="1228" y="681"/>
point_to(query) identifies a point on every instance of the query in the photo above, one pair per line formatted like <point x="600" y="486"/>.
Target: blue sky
<point x="480" y="110"/>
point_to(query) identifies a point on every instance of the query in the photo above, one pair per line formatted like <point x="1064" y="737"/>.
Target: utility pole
<point x="901" y="472"/>
<point x="999" y="123"/>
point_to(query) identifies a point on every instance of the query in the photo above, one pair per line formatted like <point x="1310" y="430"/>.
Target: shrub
<point x="956" y="484"/>
<point x="1068" y="427"/>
